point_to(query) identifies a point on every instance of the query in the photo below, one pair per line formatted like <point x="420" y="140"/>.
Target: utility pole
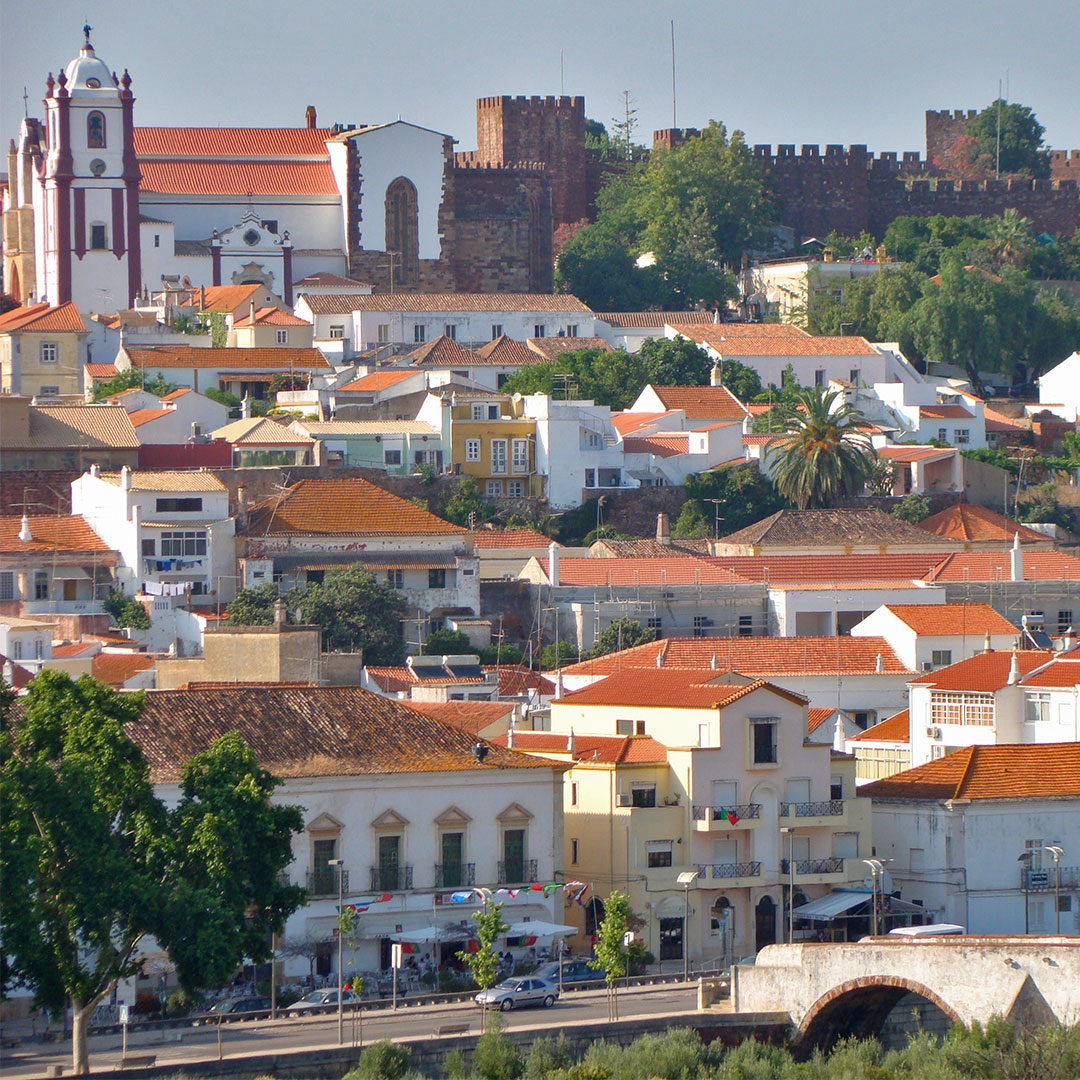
<point x="997" y="154"/>
<point x="338" y="864"/>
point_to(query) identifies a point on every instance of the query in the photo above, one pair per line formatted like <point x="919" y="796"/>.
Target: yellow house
<point x="270" y="328"/>
<point x="494" y="444"/>
<point x="43" y="351"/>
<point x="700" y="795"/>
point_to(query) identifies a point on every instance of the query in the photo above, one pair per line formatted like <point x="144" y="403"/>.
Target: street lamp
<point x="1025" y="858"/>
<point x="339" y="863"/>
<point x="791" y="881"/>
<point x="876" y="867"/>
<point x="1055" y="853"/>
<point x="686" y="879"/>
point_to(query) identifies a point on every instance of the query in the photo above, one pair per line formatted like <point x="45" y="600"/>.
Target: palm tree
<point x="824" y="456"/>
<point x="1010" y="239"/>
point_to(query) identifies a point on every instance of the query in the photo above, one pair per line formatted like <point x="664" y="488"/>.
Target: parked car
<point x="319" y="999"/>
<point x="573" y="971"/>
<point x="232" y="1009"/>
<point x="517" y="993"/>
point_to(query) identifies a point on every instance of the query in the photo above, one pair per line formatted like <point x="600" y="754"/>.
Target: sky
<point x="834" y="71"/>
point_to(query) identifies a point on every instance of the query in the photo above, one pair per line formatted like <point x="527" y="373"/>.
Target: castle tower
<point x="87" y="219"/>
<point x="20" y="274"/>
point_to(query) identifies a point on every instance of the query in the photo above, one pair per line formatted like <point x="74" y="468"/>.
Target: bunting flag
<point x="729" y="816"/>
<point x="361" y="905"/>
<point x="576" y="897"/>
<point x="461" y="897"/>
<point x="551" y="886"/>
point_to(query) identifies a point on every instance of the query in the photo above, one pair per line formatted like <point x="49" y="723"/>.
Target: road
<point x="180" y="1046"/>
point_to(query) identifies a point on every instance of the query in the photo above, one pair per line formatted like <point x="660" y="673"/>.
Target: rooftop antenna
<point x="997" y="152"/>
<point x="562" y="75"/>
<point x="674" y="120"/>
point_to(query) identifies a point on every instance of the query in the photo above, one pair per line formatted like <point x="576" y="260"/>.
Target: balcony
<point x="733" y="875"/>
<point x="324" y="882"/>
<point x="719" y="818"/>
<point x="61" y="607"/>
<point x="814" y="871"/>
<point x="1043" y="880"/>
<point x="517" y="872"/>
<point x="391" y="878"/>
<point x="825" y="812"/>
<point x="454" y="875"/>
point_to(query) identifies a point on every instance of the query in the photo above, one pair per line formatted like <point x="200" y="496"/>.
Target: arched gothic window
<point x="95" y="130"/>
<point x="403" y="229"/>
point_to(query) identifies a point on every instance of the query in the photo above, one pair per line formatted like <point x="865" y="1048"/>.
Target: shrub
<point x="382" y="1061"/>
<point x="454" y="1068"/>
<point x="912" y="509"/>
<point x="146" y="1005"/>
<point x="547" y="1055"/>
<point x="497" y="1056"/>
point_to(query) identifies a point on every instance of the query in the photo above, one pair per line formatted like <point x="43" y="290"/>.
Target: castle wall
<point x="944" y="128"/>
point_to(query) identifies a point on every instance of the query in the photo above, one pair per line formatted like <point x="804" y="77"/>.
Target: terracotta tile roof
<point x="271" y="316"/>
<point x="421" y="302"/>
<point x="279" y="359"/>
<point x="87" y="426"/>
<point x="509" y="352"/>
<point x="946" y="412"/>
<point x="592" y="749"/>
<point x="702" y="402"/>
<point x="223" y="297"/>
<point x="896" y="728"/>
<point x="390" y="678"/>
<point x="337" y="304"/>
<point x="671" y="688"/>
<point x="551" y="348"/>
<point x="652" y="320"/>
<point x="377" y="380"/>
<point x="20" y="676"/>
<point x="345" y="428"/>
<point x="1063" y="672"/>
<point x="915" y="453"/>
<point x="985" y="672"/>
<point x="168" y="480"/>
<point x="229" y="142"/>
<point x="470" y="716"/>
<point x="237" y="177"/>
<point x="713" y="333"/>
<point x="178" y="393"/>
<point x="51" y="534"/>
<point x="144" y="416"/>
<point x="43" y="318"/>
<point x="260" y="431"/>
<point x="995" y="566"/>
<point x="815" y="717"/>
<point x="627" y="422"/>
<point x="102" y="371"/>
<point x="755" y="657"/>
<point x="670" y="570"/>
<point x="966" y="521"/>
<point x="518" y="681"/>
<point x="775" y="342"/>
<point x="442" y="352"/>
<point x="324" y="279"/>
<point x="115" y="669"/>
<point x="760" y="440"/>
<point x="999" y="421"/>
<point x="487" y="539"/>
<point x="664" y="446"/>
<point x="810" y="528"/>
<point x="649" y="548"/>
<point x="1003" y="771"/>
<point x="346" y="507"/>
<point x="946" y="619"/>
<point x="71" y="649"/>
<point x="309" y="731"/>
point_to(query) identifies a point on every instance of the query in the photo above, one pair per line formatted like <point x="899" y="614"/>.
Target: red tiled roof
<point x="664" y="446"/>
<point x="223" y="297"/>
<point x="756" y="657"/>
<point x="896" y="728"/>
<point x="914" y="453"/>
<point x="71" y="649"/>
<point x="999" y="421"/>
<point x="102" y="371"/>
<point x="551" y="348"/>
<point x="509" y="352"/>
<point x="517" y="681"/>
<point x="323" y="279"/>
<point x="966" y="521"/>
<point x="442" y="352"/>
<point x="178" y="393"/>
<point x="229" y="142"/>
<point x="259" y="359"/>
<point x="1003" y="771"/>
<point x="774" y="343"/>
<point x="690" y="688"/>
<point x="486" y="539"/>
<point x="816" y="717"/>
<point x="930" y="620"/>
<point x="945" y="412"/>
<point x="20" y="676"/>
<point x="390" y="678"/>
<point x="237" y="177"/>
<point x="271" y="316"/>
<point x="995" y="566"/>
<point x="115" y="669"/>
<point x="1064" y="672"/>
<point x="627" y="422"/>
<point x="421" y="302"/>
<point x="985" y="672"/>
<point x="44" y="318"/>
<point x="592" y="749"/>
<point x="471" y="716"/>
<point x="144" y="416"/>
<point x="345" y="507"/>
<point x="377" y="380"/>
<point x="702" y="402"/>
<point x="653" y="320"/>
<point x="51" y="534"/>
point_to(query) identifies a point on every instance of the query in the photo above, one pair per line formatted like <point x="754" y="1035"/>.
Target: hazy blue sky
<point x="837" y="71"/>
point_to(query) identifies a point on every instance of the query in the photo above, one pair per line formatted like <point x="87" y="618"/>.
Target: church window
<point x="95" y="130"/>
<point x="97" y="238"/>
<point x="403" y="228"/>
<point x="93" y="84"/>
<point x="251" y="237"/>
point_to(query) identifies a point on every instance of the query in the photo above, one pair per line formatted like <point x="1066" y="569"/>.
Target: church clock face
<point x="251" y="237"/>
<point x="97" y="166"/>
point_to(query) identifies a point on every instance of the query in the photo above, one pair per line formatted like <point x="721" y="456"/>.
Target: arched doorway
<point x="403" y="229"/>
<point x="722" y="928"/>
<point x="764" y="923"/>
<point x="594" y="916"/>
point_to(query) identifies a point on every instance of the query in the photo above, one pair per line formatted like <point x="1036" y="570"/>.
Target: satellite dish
<point x="884" y="885"/>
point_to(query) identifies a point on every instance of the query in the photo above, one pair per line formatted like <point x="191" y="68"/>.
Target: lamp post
<point x="1056" y="852"/>
<point x="876" y="867"/>
<point x="686" y="879"/>
<point x="338" y="864"/>
<point x="791" y="881"/>
<point x="1025" y="858"/>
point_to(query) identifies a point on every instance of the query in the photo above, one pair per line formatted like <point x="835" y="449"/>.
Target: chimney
<point x="838" y="733"/>
<point x="716" y="376"/>
<point x="280" y="614"/>
<point x="251" y="311"/>
<point x="510" y="735"/>
<point x="558" y="684"/>
<point x="9" y="673"/>
<point x="202" y="297"/>
<point x="1016" y="560"/>
<point x="714" y="663"/>
<point x="663" y="529"/>
<point x="25" y="535"/>
<point x="125" y="478"/>
<point x="986" y="643"/>
<point x="879" y="665"/>
<point x="95" y="471"/>
<point x="245" y="407"/>
<point x="1068" y="640"/>
<point x="660" y="657"/>
<point x="553" y="563"/>
<point x="1014" y="670"/>
<point x="571" y="743"/>
<point x="309" y="117"/>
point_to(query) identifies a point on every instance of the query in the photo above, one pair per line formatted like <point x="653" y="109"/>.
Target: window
<point x="951" y="707"/>
<point x="642" y="794"/>
<point x="963" y="436"/>
<point x="177" y="544"/>
<point x="477" y="411"/>
<point x="39" y="648"/>
<point x="845" y="845"/>
<point x="746" y="625"/>
<point x="157" y="239"/>
<point x="403" y="229"/>
<point x="819" y="377"/>
<point x="472" y="449"/>
<point x="496" y="330"/>
<point x="539" y="330"/>
<point x="658" y="852"/>
<point x="337" y="333"/>
<point x="436" y="579"/>
<point x="572" y="330"/>
<point x="865" y="718"/>
<point x="186" y="506"/>
<point x="95" y="130"/>
<point x="519" y="455"/>
<point x="515" y="489"/>
<point x="1037" y="707"/>
<point x="382" y="332"/>
<point x="391" y="457"/>
<point x="513" y="855"/>
<point x="701" y="623"/>
<point x="7" y="584"/>
<point x="97" y="238"/>
<point x="48" y="391"/>
<point x="452" y="852"/>
<point x="573" y="793"/>
<point x="16" y="649"/>
<point x="941" y="657"/>
<point x="1033" y="850"/>
<point x="149" y="548"/>
<point x="836" y="787"/>
<point x="654" y="622"/>
<point x="498" y="456"/>
<point x="450" y="331"/>
<point x="49" y="352"/>
<point x="573" y="852"/>
<point x="943" y="434"/>
<point x="1064" y="620"/>
<point x="763" y="735"/>
<point x="494" y="489"/>
<point x="389" y="862"/>
<point x="419" y="334"/>
<point x="395" y="578"/>
<point x="283" y="337"/>
<point x="629" y="727"/>
<point x="855" y="376"/>
<point x="41" y="585"/>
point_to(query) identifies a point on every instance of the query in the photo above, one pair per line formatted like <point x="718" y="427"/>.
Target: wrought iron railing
<point x="391" y="878"/>
<point x="1043" y="880"/>
<point x="730" y="870"/>
<point x="716" y="813"/>
<point x="825" y="808"/>
<point x="517" y="871"/>
<point x="813" y="866"/>
<point x="324" y="882"/>
<point x="454" y="875"/>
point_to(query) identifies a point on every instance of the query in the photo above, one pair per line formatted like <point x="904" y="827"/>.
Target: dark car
<point x="232" y="1009"/>
<point x="573" y="971"/>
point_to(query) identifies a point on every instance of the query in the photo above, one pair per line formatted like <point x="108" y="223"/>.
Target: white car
<point x="321" y="999"/>
<point x="518" y="992"/>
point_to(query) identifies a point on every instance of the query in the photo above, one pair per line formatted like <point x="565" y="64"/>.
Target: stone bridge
<point x="832" y="990"/>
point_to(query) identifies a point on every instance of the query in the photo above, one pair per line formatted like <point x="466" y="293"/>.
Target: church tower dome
<point x="88" y="72"/>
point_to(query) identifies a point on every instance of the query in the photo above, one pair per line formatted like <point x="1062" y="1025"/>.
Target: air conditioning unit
<point x="928" y="665"/>
<point x="623" y="799"/>
<point x="933" y="733"/>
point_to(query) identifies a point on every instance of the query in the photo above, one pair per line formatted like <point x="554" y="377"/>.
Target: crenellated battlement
<point x="954" y="115"/>
<point x="473" y="159"/>
<point x="562" y="104"/>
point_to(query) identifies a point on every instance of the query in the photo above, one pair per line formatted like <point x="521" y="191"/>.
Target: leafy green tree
<point x="873" y="307"/>
<point x="675" y="362"/>
<point x="597" y="138"/>
<point x="921" y="241"/>
<point x="254" y="606"/>
<point x="1021" y="138"/>
<point x="621" y="633"/>
<point x="92" y="861"/>
<point x="606" y="376"/>
<point x="912" y="509"/>
<point x="597" y="266"/>
<point x="355" y="611"/>
<point x="483" y="964"/>
<point x="126" y="611"/>
<point x="384" y="1060"/>
<point x="444" y="642"/>
<point x="1011" y="239"/>
<point x="824" y="457"/>
<point x="611" y="951"/>
<point x="131" y="378"/>
<point x="467" y="507"/>
<point x="845" y="247"/>
<point x="691" y="524"/>
<point x="730" y="499"/>
<point x="557" y="654"/>
<point x="510" y="655"/>
<point x="741" y="379"/>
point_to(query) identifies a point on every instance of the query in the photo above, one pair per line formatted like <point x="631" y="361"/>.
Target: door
<point x="671" y="939"/>
<point x="764" y="923"/>
<point x="725" y="795"/>
<point x="452" y="845"/>
<point x="725" y="854"/>
<point x="389" y="862"/>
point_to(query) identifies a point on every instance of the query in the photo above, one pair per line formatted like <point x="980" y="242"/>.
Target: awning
<point x="70" y="573"/>
<point x="832" y="904"/>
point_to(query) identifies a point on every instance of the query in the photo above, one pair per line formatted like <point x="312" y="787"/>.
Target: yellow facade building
<point x="496" y="446"/>
<point x="43" y="351"/>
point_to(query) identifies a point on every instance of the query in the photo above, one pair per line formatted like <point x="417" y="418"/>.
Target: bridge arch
<point x="860" y="1007"/>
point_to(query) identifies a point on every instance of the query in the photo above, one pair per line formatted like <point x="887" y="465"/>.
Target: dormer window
<point x="95" y="130"/>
